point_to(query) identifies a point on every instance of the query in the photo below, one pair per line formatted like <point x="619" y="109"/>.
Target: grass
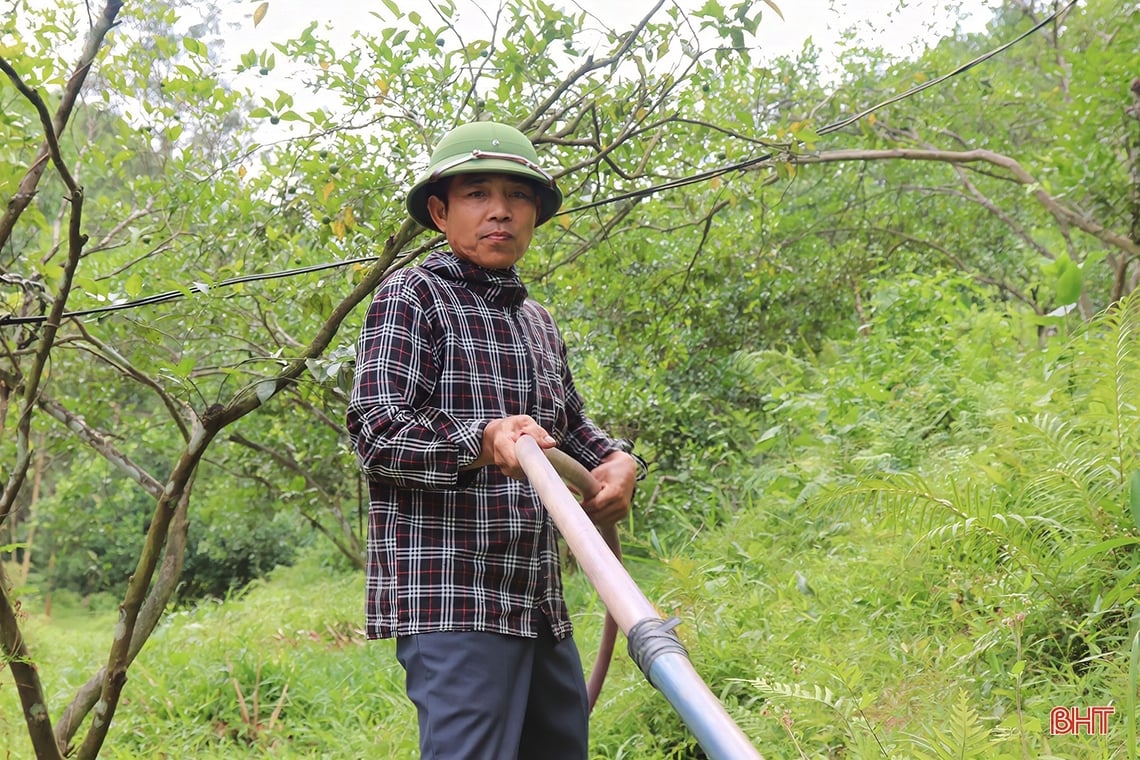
<point x="282" y="671"/>
<point x="863" y="664"/>
<point x="279" y="671"/>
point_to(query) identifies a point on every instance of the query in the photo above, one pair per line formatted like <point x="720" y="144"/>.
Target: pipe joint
<point x="650" y="638"/>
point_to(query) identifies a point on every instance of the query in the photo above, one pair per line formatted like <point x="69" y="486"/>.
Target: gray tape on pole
<point x="649" y="639"/>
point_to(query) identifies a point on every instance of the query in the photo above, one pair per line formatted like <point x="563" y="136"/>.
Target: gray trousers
<point x="486" y="696"/>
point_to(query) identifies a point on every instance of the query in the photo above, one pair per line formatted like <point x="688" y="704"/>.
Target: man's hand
<point x="617" y="475"/>
<point x="499" y="439"/>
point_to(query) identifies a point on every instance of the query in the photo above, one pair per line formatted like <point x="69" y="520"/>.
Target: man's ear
<point x="438" y="210"/>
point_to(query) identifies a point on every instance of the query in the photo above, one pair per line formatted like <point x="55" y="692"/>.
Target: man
<point x="454" y="364"/>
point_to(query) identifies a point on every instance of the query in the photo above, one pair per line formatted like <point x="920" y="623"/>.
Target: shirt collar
<point x="501" y="287"/>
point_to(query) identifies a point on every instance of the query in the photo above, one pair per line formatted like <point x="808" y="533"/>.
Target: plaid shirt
<point x="446" y="347"/>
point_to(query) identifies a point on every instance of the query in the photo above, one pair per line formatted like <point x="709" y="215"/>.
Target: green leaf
<point x="1069" y="284"/>
<point x="90" y="286"/>
<point x="806" y="135"/>
<point x="265" y="390"/>
<point x="184" y="367"/>
<point x="52" y="272"/>
<point x="476" y="48"/>
<point x="712" y="9"/>
<point x="1134" y="499"/>
<point x="1083" y="556"/>
<point x="196" y="47"/>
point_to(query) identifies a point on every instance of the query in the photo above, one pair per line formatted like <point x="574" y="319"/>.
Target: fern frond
<point x="968" y="517"/>
<point x="1077" y="491"/>
<point x="964" y="737"/>
<point x="1051" y="437"/>
<point x="1015" y="535"/>
<point x="1087" y="554"/>
<point x="1075" y="481"/>
<point x="901" y="498"/>
<point x="814" y="693"/>
<point x="1106" y="371"/>
<point x="774" y="368"/>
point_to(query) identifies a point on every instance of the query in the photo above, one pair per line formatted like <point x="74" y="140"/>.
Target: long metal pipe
<point x="666" y="666"/>
<point x="584" y="483"/>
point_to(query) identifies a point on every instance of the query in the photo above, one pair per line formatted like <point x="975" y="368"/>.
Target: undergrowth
<point x="916" y="559"/>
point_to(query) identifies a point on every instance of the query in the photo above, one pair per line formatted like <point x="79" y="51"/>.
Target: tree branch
<point x="1064" y="215"/>
<point x="590" y="65"/>
<point x="26" y="677"/>
<point x="102" y="445"/>
<point x="113" y="358"/>
<point x="133" y="619"/>
<point x="1005" y="218"/>
<point x="27" y="189"/>
<point x="149" y="616"/>
<point x="30" y="690"/>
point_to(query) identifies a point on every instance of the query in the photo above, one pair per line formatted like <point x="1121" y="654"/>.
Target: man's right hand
<point x="499" y="439"/>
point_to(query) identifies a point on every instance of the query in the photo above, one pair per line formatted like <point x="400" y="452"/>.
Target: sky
<point x="901" y="26"/>
<point x="882" y="23"/>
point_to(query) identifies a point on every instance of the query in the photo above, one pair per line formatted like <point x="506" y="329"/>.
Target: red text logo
<point x="1074" y="720"/>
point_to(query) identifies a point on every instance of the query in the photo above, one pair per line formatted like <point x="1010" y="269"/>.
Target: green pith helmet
<point x="484" y="147"/>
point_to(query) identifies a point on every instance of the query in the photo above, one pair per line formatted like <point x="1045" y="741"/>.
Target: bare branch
<point x="76" y="240"/>
<point x="346" y="541"/>
<point x="25" y="675"/>
<point x="149" y="616"/>
<point x="131" y="611"/>
<point x="590" y="65"/>
<point x="51" y="143"/>
<point x="602" y="233"/>
<point x="119" y="362"/>
<point x="102" y="445"/>
<point x="28" y="185"/>
<point x="706" y="227"/>
<point x="1064" y="215"/>
<point x="1008" y="221"/>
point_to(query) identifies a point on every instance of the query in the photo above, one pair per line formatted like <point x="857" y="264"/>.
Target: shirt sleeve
<point x="397" y="437"/>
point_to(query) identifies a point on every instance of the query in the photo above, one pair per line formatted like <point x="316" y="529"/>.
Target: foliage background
<point x="885" y="372"/>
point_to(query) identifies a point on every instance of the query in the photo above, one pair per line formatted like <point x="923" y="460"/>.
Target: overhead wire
<point x="692" y="179"/>
<point x="825" y="130"/>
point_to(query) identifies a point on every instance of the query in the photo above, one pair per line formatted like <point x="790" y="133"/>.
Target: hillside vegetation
<point x="870" y="314"/>
<point x="917" y="567"/>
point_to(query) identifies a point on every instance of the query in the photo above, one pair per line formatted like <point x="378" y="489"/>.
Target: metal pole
<point x="653" y="645"/>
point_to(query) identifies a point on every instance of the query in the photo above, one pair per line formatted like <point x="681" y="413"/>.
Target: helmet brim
<point x="550" y="197"/>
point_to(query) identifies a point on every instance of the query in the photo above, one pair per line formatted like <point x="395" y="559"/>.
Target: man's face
<point x="488" y="218"/>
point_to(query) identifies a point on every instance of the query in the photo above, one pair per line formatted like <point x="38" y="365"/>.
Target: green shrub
<point x="225" y="555"/>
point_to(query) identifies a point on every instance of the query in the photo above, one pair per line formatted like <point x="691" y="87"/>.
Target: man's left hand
<point x="616" y="475"/>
